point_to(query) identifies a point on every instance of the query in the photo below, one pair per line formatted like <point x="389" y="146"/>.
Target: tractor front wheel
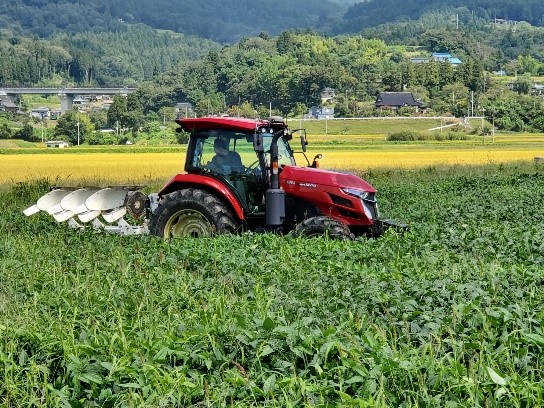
<point x="191" y="213"/>
<point x="322" y="226"/>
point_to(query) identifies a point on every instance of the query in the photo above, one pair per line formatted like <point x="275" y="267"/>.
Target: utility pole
<point x="493" y="128"/>
<point x="78" y="129"/>
<point x="483" y="131"/>
<point x="42" y="127"/>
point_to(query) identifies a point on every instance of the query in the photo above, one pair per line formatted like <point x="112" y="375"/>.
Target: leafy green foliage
<point x="411" y="135"/>
<point x="448" y="314"/>
<point x="73" y="127"/>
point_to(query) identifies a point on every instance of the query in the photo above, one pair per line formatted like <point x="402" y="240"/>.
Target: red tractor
<point x="263" y="190"/>
<point x="240" y="175"/>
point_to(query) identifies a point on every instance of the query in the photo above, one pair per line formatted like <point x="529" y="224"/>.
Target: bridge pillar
<point x="66" y="102"/>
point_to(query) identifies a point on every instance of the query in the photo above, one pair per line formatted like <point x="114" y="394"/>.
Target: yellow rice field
<point x="122" y="168"/>
<point x="406" y="159"/>
<point x="143" y="168"/>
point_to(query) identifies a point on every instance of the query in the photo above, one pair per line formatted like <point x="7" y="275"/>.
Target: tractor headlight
<point x="356" y="193"/>
<point x="367" y="200"/>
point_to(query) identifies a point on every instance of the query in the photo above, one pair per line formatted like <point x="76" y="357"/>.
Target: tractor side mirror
<point x="258" y="145"/>
<point x="303" y="141"/>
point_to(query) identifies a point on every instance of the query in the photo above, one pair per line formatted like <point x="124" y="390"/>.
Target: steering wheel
<point x="253" y="167"/>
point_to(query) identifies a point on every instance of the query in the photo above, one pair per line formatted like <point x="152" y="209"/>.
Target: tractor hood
<point x="304" y="176"/>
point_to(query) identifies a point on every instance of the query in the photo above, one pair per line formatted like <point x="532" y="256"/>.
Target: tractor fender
<point x="181" y="181"/>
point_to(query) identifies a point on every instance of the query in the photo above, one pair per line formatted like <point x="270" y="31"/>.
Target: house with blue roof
<point x="438" y="57"/>
<point x="445" y="57"/>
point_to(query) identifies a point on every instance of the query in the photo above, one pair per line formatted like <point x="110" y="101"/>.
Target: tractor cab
<point x="231" y="156"/>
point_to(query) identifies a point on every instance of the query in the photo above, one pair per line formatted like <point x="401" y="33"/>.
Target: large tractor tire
<point x="322" y="226"/>
<point x="191" y="213"/>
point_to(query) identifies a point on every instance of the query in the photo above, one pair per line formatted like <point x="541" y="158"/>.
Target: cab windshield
<point x="228" y="152"/>
<point x="285" y="154"/>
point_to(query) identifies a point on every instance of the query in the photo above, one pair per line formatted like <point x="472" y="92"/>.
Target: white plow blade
<point x="107" y="199"/>
<point x="63" y="215"/>
<point x="88" y="216"/>
<point x="52" y="204"/>
<point x="31" y="210"/>
<point x="114" y="214"/>
<point x="76" y="199"/>
<point x="73" y="203"/>
<point x="49" y="202"/>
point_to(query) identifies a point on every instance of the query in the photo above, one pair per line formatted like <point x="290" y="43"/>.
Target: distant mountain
<point x="229" y="21"/>
<point x="221" y="21"/>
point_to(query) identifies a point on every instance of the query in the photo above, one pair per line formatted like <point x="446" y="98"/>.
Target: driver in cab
<point x="224" y="160"/>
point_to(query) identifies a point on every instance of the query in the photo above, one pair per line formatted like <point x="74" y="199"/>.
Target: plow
<point x="101" y="208"/>
<point x="240" y="175"/>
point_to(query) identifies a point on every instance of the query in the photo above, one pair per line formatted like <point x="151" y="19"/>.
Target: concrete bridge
<point x="66" y="95"/>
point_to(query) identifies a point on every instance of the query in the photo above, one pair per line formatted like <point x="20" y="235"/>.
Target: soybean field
<point x="448" y="314"/>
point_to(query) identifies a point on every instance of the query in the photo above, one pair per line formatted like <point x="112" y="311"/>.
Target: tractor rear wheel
<point x="191" y="213"/>
<point x="323" y="226"/>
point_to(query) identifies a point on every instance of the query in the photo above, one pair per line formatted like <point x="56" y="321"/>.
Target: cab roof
<point x="226" y="123"/>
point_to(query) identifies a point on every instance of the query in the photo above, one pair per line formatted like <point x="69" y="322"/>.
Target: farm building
<point x="396" y="100"/>
<point x="445" y="57"/>
<point x="438" y="57"/>
<point x="56" y="144"/>
<point x="328" y="95"/>
<point x="40" y="113"/>
<point x="7" y="106"/>
<point x="321" y="112"/>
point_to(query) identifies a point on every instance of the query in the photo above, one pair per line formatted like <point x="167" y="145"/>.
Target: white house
<point x="321" y="112"/>
<point x="56" y="143"/>
<point x="41" y="113"/>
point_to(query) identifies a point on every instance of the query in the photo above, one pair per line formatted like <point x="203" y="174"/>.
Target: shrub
<point x="406" y="136"/>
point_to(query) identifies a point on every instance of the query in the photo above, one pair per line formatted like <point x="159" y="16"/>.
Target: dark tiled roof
<point x="397" y="99"/>
<point x="8" y="104"/>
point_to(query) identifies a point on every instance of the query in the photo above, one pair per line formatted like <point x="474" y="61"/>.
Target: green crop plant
<point x="449" y="314"/>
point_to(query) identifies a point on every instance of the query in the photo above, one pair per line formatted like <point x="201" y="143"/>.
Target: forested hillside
<point x="126" y="57"/>
<point x="213" y="19"/>
<point x="228" y="22"/>
<point x="375" y="12"/>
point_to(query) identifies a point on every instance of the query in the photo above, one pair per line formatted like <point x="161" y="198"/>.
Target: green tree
<point x="116" y="111"/>
<point x="247" y="111"/>
<point x="134" y="118"/>
<point x="26" y="133"/>
<point x="523" y="84"/>
<point x="74" y="127"/>
<point x="5" y="130"/>
<point x="99" y="119"/>
<point x="527" y="65"/>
